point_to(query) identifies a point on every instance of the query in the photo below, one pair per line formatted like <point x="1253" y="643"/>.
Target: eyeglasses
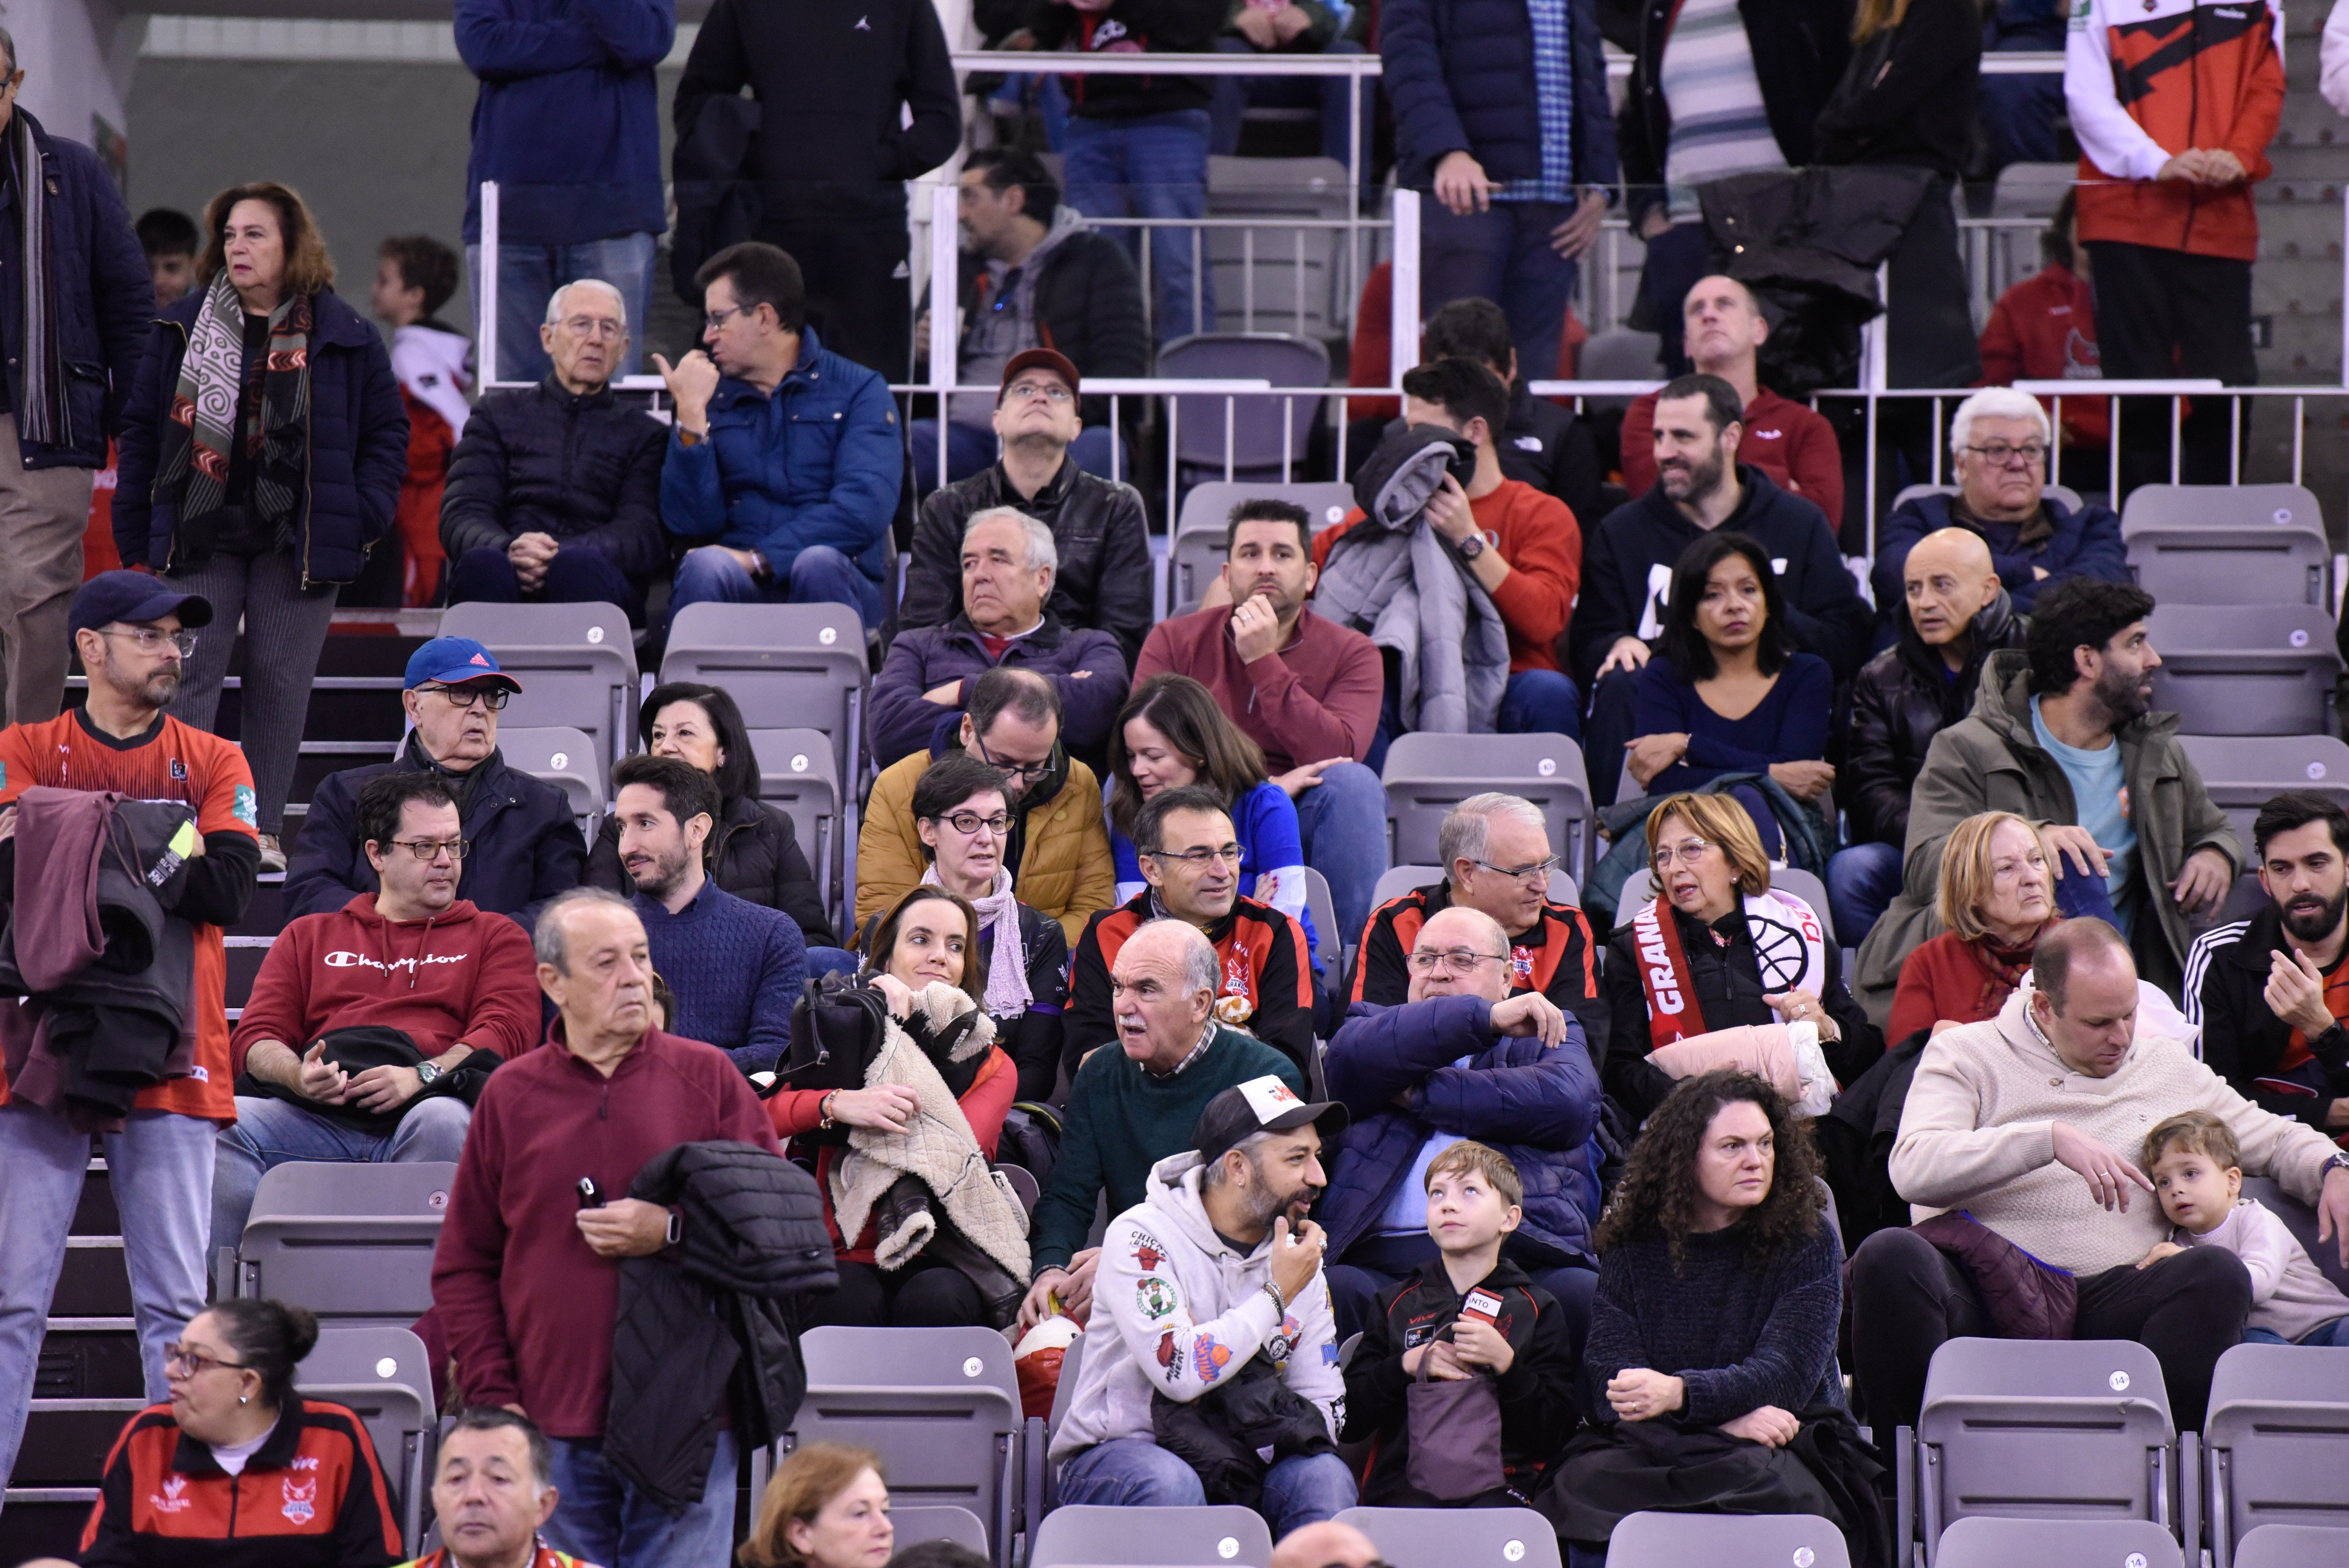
<point x="716" y="319"/>
<point x="1231" y="854"/>
<point x="967" y="823"/>
<point x="1460" y="961"/>
<point x="429" y="849"/>
<point x="494" y="698"/>
<point x="1999" y="455"/>
<point x="186" y="1363"/>
<point x="1028" y="391"/>
<point x="151" y="641"/>
<point x="595" y="327"/>
<point x="1689" y="852"/>
<point x="1537" y="871"/>
<point x="1020" y="771"/>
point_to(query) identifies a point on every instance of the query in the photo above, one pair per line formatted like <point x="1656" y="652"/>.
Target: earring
<point x="242" y="1400"/>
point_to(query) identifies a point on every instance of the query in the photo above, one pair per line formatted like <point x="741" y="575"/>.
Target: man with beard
<point x="133" y="635"/>
<point x="2062" y="733"/>
<point x="734" y="966"/>
<point x="1216" y="1266"/>
<point x="2271" y="992"/>
<point x="1627" y="568"/>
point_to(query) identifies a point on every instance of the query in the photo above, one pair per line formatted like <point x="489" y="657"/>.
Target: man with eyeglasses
<point x="1190" y="859"/>
<point x="1057" y="848"/>
<point x="525" y="846"/>
<point x="1999" y="443"/>
<point x="1008" y="562"/>
<point x="554" y="493"/>
<point x="132" y="634"/>
<point x="1464" y="1056"/>
<point x="1497" y="860"/>
<point x="1103" y="579"/>
<point x="370" y="1031"/>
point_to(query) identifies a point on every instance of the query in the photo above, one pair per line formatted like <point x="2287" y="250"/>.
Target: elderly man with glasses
<point x="1999" y="441"/>
<point x="525" y="846"/>
<point x="370" y="1030"/>
<point x="1463" y="1056"/>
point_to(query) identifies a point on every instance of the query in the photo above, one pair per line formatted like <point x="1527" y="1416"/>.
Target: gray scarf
<point x="42" y="412"/>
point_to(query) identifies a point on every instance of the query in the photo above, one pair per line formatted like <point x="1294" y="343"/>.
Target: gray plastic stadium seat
<point x="940" y="1521"/>
<point x="2031" y="189"/>
<point x="2246" y="669"/>
<point x="564" y="758"/>
<point x="385" y="1377"/>
<point x="1217" y="1534"/>
<point x="2065" y="493"/>
<point x="2293" y="1546"/>
<point x="2228" y="544"/>
<point x="1298" y="274"/>
<point x="1023" y="1185"/>
<point x="1330" y="953"/>
<point x="1641" y="886"/>
<point x="797" y="772"/>
<point x="1198" y="554"/>
<point x="786" y="667"/>
<point x="2058" y="1544"/>
<point x="1458" y="1537"/>
<point x="352" y="1242"/>
<point x="1726" y="1540"/>
<point x="1062" y="1392"/>
<point x="2041" y="1430"/>
<point x="1427" y="775"/>
<point x="2243" y="772"/>
<point x="577" y="664"/>
<point x="1261" y="429"/>
<point x="2276" y="1444"/>
<point x="1397" y="881"/>
<point x="941" y="1405"/>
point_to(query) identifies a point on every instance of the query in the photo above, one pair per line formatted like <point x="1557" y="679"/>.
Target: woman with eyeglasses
<point x="261" y="458"/>
<point x="926" y="1235"/>
<point x="1169" y="734"/>
<point x="1716" y="947"/>
<point x="239" y="1468"/>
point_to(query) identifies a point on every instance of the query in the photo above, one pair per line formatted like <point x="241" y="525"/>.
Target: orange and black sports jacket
<point x="1266" y="987"/>
<point x="313" y="1496"/>
<point x="2146" y="80"/>
<point x="1557" y="957"/>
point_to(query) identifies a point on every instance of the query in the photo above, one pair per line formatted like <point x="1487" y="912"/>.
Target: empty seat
<point x="1198" y="554"/>
<point x="1329" y="943"/>
<point x="1725" y="1541"/>
<point x="798" y="774"/>
<point x="1277" y="274"/>
<point x="564" y="758"/>
<point x="2243" y="772"/>
<point x="939" y="1522"/>
<point x="1458" y="1537"/>
<point x="1427" y="775"/>
<point x="787" y="666"/>
<point x="2031" y="189"/>
<point x="1220" y="436"/>
<point x="2040" y="1430"/>
<point x="383" y="1375"/>
<point x="2228" y="544"/>
<point x="2293" y="1546"/>
<point x="2058" y="1544"/>
<point x="2276" y="1444"/>
<point x="2246" y="669"/>
<point x="351" y="1242"/>
<point x="1152" y="1537"/>
<point x="577" y="664"/>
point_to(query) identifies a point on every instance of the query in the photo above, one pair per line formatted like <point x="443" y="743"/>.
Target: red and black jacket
<point x="1558" y="957"/>
<point x="1265" y="987"/>
<point x="313" y="1496"/>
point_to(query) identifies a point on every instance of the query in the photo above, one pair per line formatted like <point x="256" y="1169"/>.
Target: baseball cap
<point x="1051" y="360"/>
<point x="455" y="661"/>
<point x="133" y="596"/>
<point x="1260" y="1105"/>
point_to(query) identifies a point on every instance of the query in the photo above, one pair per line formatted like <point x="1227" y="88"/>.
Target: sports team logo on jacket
<point x="301" y="1499"/>
<point x="1237" y="1004"/>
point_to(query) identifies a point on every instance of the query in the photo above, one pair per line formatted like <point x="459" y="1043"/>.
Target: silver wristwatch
<point x="428" y="1073"/>
<point x="1472" y="547"/>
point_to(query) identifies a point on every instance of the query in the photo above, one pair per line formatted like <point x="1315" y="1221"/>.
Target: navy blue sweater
<point x="736" y="968"/>
<point x="1788" y="724"/>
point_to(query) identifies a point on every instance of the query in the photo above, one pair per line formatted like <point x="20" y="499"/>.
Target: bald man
<point x="1953" y="615"/>
<point x="1326" y="1544"/>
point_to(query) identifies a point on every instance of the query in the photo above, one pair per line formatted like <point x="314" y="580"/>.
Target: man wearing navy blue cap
<point x="525" y="846"/>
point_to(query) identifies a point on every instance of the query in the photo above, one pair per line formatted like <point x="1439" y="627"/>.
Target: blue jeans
<point x="598" y="1518"/>
<point x="1502" y="254"/>
<point x="822" y="961"/>
<point x="1150" y="166"/>
<point x="1343" y="821"/>
<point x="2333" y="1335"/>
<point x="579" y="574"/>
<point x="273" y="1132"/>
<point x="971" y="450"/>
<point x="816" y="575"/>
<point x="1862" y="882"/>
<point x="162" y="1167"/>
<point x="1136" y="1472"/>
<point x="528" y="277"/>
<point x="1540" y="702"/>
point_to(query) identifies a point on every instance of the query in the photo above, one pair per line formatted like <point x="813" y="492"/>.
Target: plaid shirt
<point x="1554" y="94"/>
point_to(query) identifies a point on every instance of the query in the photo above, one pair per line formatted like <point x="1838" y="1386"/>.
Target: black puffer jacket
<point x="1103" y="580"/>
<point x="582" y="467"/>
<point x="754" y="855"/>
<point x="1900" y="699"/>
<point x="706" y="1327"/>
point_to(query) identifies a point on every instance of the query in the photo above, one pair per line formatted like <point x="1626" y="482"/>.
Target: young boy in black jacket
<point x="1501" y="1324"/>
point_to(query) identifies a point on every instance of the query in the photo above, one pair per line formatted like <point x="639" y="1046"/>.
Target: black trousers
<point x="920" y="1296"/>
<point x="859" y="283"/>
<point x="1908" y="1296"/>
<point x="2163" y="314"/>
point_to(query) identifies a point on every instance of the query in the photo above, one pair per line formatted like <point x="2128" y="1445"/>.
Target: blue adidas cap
<point x="455" y="661"/>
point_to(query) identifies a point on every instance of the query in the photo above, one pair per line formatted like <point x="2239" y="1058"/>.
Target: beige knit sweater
<point x="1977" y="1133"/>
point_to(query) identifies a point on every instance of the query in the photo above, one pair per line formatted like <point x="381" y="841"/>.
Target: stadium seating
<point x="2243" y="772"/>
<point x="786" y="667"/>
<point x="939" y="1522"/>
<point x="2245" y="669"/>
<point x="1981" y="1542"/>
<point x="797" y="773"/>
<point x="382" y="1374"/>
<point x="1153" y="1538"/>
<point x="2228" y="544"/>
<point x="1329" y="947"/>
<point x="2276" y="1445"/>
<point x="1725" y="1541"/>
<point x="564" y="758"/>
<point x="1244" y="436"/>
<point x="1281" y="276"/>
<point x="576" y="664"/>
<point x="1198" y="553"/>
<point x="1458" y="1537"/>
<point x="2293" y="1546"/>
<point x="1427" y="775"/>
<point x="352" y="1242"/>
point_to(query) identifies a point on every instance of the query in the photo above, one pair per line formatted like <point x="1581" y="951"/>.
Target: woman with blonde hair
<point x="826" y="1507"/>
<point x="1716" y="947"/>
<point x="1997" y="899"/>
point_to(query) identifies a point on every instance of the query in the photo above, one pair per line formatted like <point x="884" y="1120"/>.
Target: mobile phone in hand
<point x="590" y="1195"/>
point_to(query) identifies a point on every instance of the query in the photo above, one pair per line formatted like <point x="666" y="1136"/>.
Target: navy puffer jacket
<point x="1460" y="74"/>
<point x="1538" y="1105"/>
<point x="358" y="445"/>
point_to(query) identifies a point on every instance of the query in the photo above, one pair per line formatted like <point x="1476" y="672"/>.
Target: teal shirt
<point x="2100" y="796"/>
<point x="1121" y="1122"/>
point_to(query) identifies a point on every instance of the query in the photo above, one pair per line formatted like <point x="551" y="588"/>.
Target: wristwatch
<point x="2338" y="1162"/>
<point x="1472" y="547"/>
<point x="428" y="1073"/>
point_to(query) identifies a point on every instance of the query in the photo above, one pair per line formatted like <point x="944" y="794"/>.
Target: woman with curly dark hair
<point x="1708" y="1376"/>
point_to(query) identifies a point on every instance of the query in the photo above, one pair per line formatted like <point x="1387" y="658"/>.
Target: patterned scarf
<point x="2003" y="968"/>
<point x="43" y="413"/>
<point x="204" y="406"/>
<point x="1006" y="962"/>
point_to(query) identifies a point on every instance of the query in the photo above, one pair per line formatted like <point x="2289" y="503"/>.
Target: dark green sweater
<point x="1122" y="1121"/>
